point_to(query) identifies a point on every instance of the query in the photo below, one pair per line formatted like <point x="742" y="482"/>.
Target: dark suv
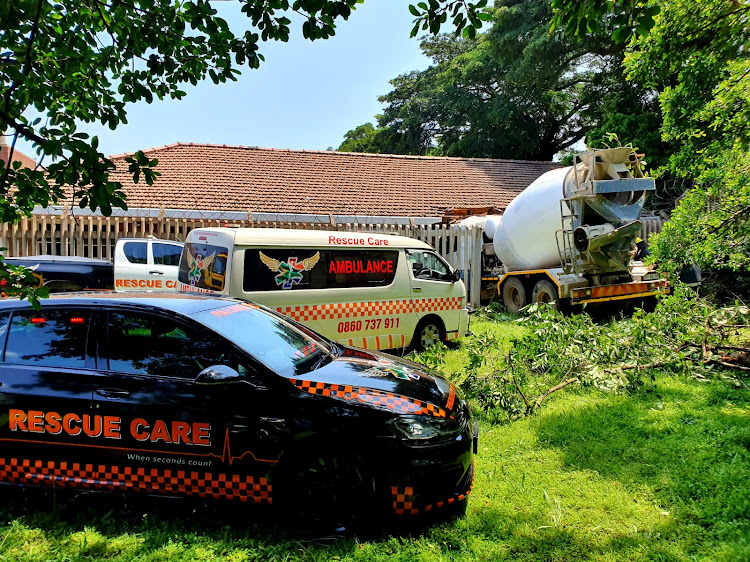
<point x="219" y="398"/>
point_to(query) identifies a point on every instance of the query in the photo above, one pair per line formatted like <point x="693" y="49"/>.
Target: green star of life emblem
<point x="195" y="273"/>
<point x="287" y="275"/>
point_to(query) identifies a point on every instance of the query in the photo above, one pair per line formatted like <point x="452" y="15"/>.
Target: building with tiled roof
<point x="18" y="156"/>
<point x="266" y="182"/>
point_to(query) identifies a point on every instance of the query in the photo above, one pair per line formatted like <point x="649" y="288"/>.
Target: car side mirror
<point x="454" y="276"/>
<point x="218" y="374"/>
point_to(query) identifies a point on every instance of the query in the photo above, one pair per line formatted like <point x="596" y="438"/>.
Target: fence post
<point x="475" y="267"/>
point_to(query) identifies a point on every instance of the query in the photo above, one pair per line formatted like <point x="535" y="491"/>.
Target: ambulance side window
<point x="146" y="344"/>
<point x="426" y="265"/>
<point x="272" y="269"/>
<point x="53" y="338"/>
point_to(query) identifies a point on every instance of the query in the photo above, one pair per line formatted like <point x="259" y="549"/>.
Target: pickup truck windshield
<point x="271" y="340"/>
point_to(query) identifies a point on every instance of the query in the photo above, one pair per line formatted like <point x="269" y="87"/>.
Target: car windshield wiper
<point x="334" y="353"/>
<point x="321" y="361"/>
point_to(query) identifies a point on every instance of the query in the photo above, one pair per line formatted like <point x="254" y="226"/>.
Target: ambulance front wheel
<point x="429" y="332"/>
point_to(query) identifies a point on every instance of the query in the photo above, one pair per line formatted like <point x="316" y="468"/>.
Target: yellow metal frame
<point x="575" y="301"/>
<point x="527" y="273"/>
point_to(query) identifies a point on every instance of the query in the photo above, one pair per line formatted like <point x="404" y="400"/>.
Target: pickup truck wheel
<point x="62" y="286"/>
<point x="514" y="295"/>
<point x="545" y="292"/>
<point x="429" y="332"/>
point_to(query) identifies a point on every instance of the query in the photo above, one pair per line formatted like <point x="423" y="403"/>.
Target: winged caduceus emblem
<point x="289" y="272"/>
<point x="197" y="265"/>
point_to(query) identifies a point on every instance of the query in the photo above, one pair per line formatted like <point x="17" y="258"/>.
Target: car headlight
<point x="421" y="428"/>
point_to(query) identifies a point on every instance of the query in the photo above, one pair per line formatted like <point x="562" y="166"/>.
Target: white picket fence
<point x="95" y="236"/>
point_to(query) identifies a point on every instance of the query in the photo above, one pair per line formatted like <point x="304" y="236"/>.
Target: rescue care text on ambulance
<point x="374" y="291"/>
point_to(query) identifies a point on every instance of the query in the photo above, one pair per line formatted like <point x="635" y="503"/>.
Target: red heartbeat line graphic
<point x="226" y="453"/>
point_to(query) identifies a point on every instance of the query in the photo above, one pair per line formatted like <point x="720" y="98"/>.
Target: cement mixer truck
<point x="567" y="238"/>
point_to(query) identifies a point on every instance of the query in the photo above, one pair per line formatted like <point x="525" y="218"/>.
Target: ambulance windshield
<point x="286" y="349"/>
<point x="203" y="266"/>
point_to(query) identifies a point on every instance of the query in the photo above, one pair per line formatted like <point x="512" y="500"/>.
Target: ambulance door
<point x="46" y="385"/>
<point x="436" y="292"/>
<point x="171" y="426"/>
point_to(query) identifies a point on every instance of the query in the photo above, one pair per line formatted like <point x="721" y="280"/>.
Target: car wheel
<point x="325" y="489"/>
<point x="545" y="292"/>
<point x="514" y="295"/>
<point x="429" y="332"/>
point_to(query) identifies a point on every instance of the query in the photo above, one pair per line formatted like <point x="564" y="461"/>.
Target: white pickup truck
<point x="139" y="264"/>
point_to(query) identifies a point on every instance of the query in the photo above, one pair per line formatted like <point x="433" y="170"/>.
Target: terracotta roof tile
<point x="18" y="156"/>
<point x="267" y="180"/>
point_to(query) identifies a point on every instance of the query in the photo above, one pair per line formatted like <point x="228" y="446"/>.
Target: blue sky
<point x="306" y="95"/>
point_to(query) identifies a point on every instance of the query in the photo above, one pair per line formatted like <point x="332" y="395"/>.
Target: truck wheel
<point x="545" y="292"/>
<point x="514" y="295"/>
<point x="429" y="332"/>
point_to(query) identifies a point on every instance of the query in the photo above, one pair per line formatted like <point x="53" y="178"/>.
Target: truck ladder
<point x="564" y="238"/>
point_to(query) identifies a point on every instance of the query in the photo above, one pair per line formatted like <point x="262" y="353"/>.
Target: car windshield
<point x="286" y="349"/>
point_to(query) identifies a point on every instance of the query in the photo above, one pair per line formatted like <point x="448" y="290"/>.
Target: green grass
<point x="660" y="475"/>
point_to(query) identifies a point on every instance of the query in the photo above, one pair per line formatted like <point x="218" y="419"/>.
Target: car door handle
<point x="155" y="272"/>
<point x="417" y="289"/>
<point x="112" y="393"/>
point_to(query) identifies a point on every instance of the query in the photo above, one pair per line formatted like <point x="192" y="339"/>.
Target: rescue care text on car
<point x="219" y="398"/>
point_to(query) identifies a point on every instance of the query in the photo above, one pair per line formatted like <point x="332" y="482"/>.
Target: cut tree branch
<point x="542" y="397"/>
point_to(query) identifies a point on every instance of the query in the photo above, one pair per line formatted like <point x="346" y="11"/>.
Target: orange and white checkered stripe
<point x="152" y="480"/>
<point x="391" y="341"/>
<point x="377" y="398"/>
<point x="366" y="309"/>
<point x="403" y="499"/>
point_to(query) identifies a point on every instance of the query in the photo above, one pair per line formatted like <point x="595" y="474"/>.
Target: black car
<point x="219" y="398"/>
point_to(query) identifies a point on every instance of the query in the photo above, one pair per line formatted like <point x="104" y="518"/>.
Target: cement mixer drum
<point x="525" y="239"/>
<point x="582" y="218"/>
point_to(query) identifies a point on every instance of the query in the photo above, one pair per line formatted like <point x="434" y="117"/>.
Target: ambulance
<point x="374" y="291"/>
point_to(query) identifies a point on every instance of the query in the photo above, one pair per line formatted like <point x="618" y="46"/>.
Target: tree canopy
<point x="516" y="91"/>
<point x="68" y="62"/>
<point x="65" y="63"/>
<point x="695" y="55"/>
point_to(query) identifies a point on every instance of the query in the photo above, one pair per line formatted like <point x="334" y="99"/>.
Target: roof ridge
<point x="332" y="152"/>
